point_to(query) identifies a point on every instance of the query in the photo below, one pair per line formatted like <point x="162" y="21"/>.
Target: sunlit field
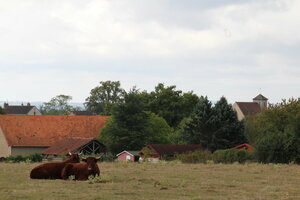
<point x="159" y="181"/>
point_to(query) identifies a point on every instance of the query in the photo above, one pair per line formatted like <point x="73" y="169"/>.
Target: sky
<point x="236" y="48"/>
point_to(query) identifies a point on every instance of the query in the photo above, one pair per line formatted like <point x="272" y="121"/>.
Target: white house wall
<point x="238" y="111"/>
<point x="34" y="111"/>
<point x="5" y="150"/>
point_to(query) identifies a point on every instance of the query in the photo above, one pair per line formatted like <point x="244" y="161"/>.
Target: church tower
<point x="261" y="100"/>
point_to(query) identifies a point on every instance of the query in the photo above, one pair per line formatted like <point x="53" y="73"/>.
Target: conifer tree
<point x="214" y="127"/>
<point x="229" y="131"/>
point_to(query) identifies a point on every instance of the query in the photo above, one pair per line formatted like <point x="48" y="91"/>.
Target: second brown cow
<point x="81" y="171"/>
<point x="52" y="170"/>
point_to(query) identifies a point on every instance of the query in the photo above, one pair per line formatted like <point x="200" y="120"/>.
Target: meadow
<point x="164" y="180"/>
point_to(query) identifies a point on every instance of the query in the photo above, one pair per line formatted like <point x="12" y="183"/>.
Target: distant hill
<point x="38" y="103"/>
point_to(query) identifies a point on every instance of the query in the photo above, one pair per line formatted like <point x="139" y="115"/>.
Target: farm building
<point x="246" y="147"/>
<point x="129" y="156"/>
<point x="87" y="146"/>
<point x="244" y="109"/>
<point x="164" y="151"/>
<point x="21" y="110"/>
<point x="27" y="134"/>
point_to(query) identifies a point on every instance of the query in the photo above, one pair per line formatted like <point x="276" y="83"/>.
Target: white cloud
<point x="214" y="48"/>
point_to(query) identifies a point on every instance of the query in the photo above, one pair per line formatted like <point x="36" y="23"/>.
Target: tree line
<point x="167" y="115"/>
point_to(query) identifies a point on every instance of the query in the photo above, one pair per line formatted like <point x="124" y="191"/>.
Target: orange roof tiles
<point x="45" y="130"/>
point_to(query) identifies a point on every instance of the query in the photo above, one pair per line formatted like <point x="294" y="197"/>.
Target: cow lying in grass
<point x="81" y="171"/>
<point x="53" y="170"/>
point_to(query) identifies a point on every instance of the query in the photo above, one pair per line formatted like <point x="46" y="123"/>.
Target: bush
<point x="108" y="157"/>
<point x="35" y="157"/>
<point x="231" y="156"/>
<point x="19" y="158"/>
<point x="275" y="133"/>
<point x="194" y="157"/>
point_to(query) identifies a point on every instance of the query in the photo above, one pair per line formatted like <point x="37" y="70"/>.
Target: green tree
<point x="200" y="128"/>
<point x="1" y="111"/>
<point x="131" y="127"/>
<point x="275" y="133"/>
<point x="177" y="135"/>
<point x="229" y="131"/>
<point x="102" y="98"/>
<point x="58" y="105"/>
<point x="214" y="127"/>
<point x="158" y="130"/>
<point x="171" y="104"/>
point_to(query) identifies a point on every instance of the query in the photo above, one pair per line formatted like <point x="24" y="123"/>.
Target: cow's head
<point x="74" y="157"/>
<point x="91" y="162"/>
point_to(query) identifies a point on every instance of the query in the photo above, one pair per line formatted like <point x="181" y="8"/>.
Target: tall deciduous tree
<point x="58" y="105"/>
<point x="1" y="111"/>
<point x="171" y="104"/>
<point x="275" y="132"/>
<point x="214" y="127"/>
<point x="131" y="128"/>
<point x="103" y="97"/>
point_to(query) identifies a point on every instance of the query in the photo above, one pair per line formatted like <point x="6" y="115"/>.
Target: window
<point x="128" y="157"/>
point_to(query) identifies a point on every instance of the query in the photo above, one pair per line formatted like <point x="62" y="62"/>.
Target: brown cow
<point x="81" y="171"/>
<point x="52" y="170"/>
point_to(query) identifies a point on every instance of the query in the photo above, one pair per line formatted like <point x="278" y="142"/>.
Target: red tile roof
<point x="245" y="146"/>
<point x="45" y="130"/>
<point x="66" y="145"/>
<point x="171" y="149"/>
<point x="249" y="108"/>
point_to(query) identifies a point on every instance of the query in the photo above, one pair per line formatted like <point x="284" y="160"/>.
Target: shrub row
<point x="219" y="156"/>
<point x="231" y="156"/>
<point x="31" y="158"/>
<point x="194" y="157"/>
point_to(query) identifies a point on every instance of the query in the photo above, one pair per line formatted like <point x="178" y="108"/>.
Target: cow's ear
<point x="83" y="159"/>
<point x="97" y="159"/>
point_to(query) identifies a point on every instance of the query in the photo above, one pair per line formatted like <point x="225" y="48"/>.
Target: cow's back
<point x="47" y="171"/>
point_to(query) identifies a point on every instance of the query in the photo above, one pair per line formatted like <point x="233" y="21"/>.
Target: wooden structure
<point x="87" y="146"/>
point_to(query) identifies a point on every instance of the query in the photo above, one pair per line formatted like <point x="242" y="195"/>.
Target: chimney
<point x="5" y="105"/>
<point x="28" y="104"/>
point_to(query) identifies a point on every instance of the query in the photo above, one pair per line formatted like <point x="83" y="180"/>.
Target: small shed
<point x="245" y="146"/>
<point x="129" y="156"/>
<point x="87" y="146"/>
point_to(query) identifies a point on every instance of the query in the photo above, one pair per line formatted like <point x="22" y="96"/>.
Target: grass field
<point x="159" y="181"/>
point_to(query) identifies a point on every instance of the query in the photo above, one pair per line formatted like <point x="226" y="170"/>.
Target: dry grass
<point x="159" y="181"/>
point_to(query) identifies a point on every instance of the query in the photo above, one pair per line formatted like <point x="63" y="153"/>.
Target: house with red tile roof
<point x="27" y="134"/>
<point x="244" y="109"/>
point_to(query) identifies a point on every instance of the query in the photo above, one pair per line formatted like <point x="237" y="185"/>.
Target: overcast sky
<point x="212" y="47"/>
